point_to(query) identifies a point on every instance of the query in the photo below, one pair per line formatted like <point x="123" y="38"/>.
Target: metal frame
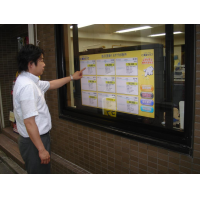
<point x="169" y="73"/>
<point x="190" y="82"/>
<point x="2" y="125"/>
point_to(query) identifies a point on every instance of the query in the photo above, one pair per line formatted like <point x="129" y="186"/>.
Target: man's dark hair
<point x="28" y="53"/>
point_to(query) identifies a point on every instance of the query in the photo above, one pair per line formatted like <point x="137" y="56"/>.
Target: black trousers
<point x="31" y="157"/>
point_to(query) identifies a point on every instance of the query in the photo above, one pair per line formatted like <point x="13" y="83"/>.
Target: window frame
<point x="158" y="136"/>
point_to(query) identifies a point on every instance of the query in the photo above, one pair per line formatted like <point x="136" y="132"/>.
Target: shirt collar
<point x="31" y="76"/>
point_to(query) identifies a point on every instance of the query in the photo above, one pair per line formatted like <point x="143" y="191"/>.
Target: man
<point x="30" y="109"/>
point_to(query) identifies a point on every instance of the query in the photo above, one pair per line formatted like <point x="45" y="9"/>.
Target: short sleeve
<point x="44" y="85"/>
<point x="28" y="102"/>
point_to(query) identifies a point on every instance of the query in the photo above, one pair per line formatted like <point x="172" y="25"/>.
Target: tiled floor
<point x="10" y="147"/>
<point x="4" y="169"/>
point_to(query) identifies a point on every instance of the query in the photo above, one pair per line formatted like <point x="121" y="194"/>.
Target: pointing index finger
<point x="83" y="69"/>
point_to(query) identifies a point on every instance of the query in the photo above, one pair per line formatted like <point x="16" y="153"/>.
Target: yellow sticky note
<point x="12" y="117"/>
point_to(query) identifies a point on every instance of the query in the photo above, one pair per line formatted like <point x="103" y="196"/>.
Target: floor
<point x="4" y="169"/>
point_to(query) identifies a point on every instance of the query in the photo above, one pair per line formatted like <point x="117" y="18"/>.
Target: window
<point x="138" y="80"/>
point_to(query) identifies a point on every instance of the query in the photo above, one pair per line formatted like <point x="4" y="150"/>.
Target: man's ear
<point x="30" y="65"/>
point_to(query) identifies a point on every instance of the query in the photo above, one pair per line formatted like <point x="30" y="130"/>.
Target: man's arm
<point x="55" y="84"/>
<point x="34" y="135"/>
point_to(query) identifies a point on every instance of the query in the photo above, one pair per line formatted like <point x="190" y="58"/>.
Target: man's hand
<point x="55" y="84"/>
<point x="78" y="74"/>
<point x="44" y="156"/>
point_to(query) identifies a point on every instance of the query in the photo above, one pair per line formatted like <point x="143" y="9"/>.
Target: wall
<point x="8" y="63"/>
<point x="103" y="152"/>
<point x="85" y="44"/>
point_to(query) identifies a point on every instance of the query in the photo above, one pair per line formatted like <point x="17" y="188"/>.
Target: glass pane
<point x="125" y="71"/>
<point x="179" y="76"/>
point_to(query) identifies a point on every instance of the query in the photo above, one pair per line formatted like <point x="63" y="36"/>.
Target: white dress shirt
<point x="29" y="101"/>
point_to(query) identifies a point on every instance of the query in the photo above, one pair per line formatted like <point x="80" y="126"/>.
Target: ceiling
<point x="97" y="32"/>
<point x="112" y="28"/>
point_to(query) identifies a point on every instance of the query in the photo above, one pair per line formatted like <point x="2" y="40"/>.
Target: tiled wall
<point x="8" y="65"/>
<point x="103" y="152"/>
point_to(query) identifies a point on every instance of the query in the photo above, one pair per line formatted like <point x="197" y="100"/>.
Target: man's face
<point x="38" y="69"/>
